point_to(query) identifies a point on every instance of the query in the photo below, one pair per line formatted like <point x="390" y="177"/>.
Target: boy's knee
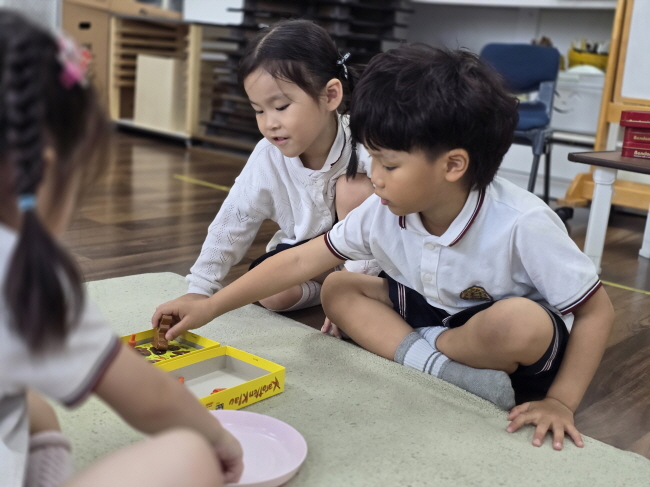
<point x="333" y="283"/>
<point x="515" y="323"/>
<point x="337" y="286"/>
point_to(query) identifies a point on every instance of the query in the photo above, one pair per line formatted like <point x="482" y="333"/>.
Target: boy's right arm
<point x="272" y="276"/>
<point x="132" y="387"/>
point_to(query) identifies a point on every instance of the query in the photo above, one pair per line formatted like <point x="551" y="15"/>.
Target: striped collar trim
<point x="472" y="217"/>
<point x="477" y="208"/>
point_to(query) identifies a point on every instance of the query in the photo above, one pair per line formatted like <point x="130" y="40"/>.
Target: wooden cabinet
<point x="117" y="32"/>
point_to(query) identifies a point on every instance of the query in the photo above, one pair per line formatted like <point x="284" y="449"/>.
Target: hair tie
<point x="26" y="202"/>
<point x="74" y="63"/>
<point x="341" y="62"/>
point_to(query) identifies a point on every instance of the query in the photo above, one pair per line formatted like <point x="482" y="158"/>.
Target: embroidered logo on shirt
<point x="475" y="293"/>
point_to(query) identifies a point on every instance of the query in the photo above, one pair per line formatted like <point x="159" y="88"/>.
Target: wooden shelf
<point x="128" y="123"/>
<point x="575" y="4"/>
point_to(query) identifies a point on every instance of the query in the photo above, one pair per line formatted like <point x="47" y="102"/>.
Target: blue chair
<point x="526" y="69"/>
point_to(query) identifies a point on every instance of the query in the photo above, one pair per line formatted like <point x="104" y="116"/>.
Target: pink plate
<point x="273" y="450"/>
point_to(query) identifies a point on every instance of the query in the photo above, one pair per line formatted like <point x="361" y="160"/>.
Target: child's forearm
<point x="152" y="401"/>
<point x="591" y="329"/>
<point x="274" y="275"/>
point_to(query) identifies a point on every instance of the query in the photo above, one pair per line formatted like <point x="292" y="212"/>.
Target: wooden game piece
<point x="143" y="351"/>
<point x="214" y="391"/>
<point x="159" y="340"/>
<point x="181" y="379"/>
<point x="132" y="341"/>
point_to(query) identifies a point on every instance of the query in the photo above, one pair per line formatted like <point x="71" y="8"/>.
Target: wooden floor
<point x="143" y="218"/>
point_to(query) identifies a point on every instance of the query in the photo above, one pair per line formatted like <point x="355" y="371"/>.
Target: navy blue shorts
<point x="280" y="247"/>
<point x="530" y="382"/>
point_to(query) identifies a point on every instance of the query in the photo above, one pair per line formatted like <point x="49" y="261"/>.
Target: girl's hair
<point x="301" y="52"/>
<point x="43" y="288"/>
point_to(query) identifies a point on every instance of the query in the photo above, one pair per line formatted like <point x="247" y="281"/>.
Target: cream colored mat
<point x="367" y="421"/>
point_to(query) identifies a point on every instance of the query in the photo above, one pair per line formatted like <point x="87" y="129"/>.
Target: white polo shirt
<point x="504" y="243"/>
<point x="67" y="373"/>
<point x="274" y="187"/>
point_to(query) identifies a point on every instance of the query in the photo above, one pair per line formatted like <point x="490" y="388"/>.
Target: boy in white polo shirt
<point x="479" y="275"/>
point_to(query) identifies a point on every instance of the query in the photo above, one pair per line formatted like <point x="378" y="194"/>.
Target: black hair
<point x="417" y="97"/>
<point x="301" y="52"/>
<point x="43" y="287"/>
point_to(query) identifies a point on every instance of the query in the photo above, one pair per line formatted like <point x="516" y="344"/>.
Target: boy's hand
<point x="188" y="312"/>
<point x="330" y="328"/>
<point x="549" y="415"/>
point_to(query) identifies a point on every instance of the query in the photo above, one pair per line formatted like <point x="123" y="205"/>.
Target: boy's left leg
<point x="510" y="333"/>
<point x="361" y="306"/>
<point x="515" y="335"/>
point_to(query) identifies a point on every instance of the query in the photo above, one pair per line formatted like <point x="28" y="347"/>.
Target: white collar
<point x="458" y="227"/>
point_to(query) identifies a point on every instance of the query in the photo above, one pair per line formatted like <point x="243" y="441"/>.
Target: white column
<point x="604" y="178"/>
<point x="645" y="248"/>
<point x="613" y="136"/>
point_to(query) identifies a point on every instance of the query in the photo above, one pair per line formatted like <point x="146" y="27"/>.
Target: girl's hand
<point x="229" y="453"/>
<point x="331" y="329"/>
<point x="188" y="312"/>
<point x="549" y="415"/>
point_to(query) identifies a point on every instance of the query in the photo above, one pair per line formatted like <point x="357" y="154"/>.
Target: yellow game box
<point x="227" y="378"/>
<point x="187" y="343"/>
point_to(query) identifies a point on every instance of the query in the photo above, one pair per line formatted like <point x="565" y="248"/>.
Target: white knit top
<point x="272" y="186"/>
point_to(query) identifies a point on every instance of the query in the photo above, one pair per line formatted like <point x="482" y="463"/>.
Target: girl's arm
<point x="153" y="401"/>
<point x="229" y="237"/>
<point x="275" y="274"/>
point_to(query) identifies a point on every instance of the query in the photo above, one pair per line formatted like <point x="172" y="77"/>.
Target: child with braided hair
<point x="52" y="138"/>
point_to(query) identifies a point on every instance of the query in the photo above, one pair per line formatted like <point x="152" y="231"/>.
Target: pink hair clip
<point x="74" y="61"/>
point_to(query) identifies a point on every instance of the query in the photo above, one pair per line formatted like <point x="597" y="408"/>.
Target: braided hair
<point x="301" y="52"/>
<point x="43" y="288"/>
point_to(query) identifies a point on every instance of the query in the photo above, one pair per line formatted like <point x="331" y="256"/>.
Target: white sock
<point x="431" y="334"/>
<point x="50" y="461"/>
<point x="416" y="352"/>
<point x="310" y="297"/>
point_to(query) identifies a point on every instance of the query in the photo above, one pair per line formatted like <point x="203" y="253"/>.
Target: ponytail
<point x="43" y="287"/>
<point x="349" y="76"/>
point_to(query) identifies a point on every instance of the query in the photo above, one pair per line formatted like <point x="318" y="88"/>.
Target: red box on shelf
<point x="634" y="150"/>
<point x="636" y="141"/>
<point x="632" y="118"/>
<point x="636" y="136"/>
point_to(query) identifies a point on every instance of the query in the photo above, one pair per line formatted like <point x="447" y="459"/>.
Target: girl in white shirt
<point x="295" y="80"/>
<point x="53" y="342"/>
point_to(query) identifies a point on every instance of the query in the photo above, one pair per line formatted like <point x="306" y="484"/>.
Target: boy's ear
<point x="457" y="163"/>
<point x="333" y="94"/>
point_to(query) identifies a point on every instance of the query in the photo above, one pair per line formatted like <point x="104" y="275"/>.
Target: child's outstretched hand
<point x="188" y="312"/>
<point x="549" y="415"/>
